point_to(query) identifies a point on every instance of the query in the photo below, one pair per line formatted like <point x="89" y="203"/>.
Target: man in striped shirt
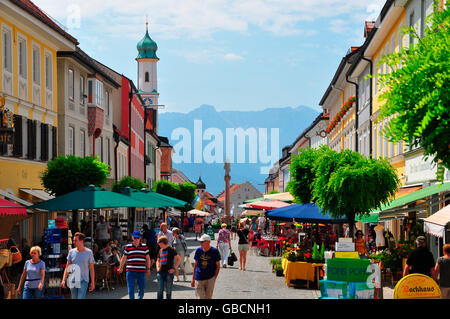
<point x="137" y="257"/>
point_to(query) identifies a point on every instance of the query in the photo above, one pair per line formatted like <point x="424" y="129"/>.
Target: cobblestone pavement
<point x="257" y="282"/>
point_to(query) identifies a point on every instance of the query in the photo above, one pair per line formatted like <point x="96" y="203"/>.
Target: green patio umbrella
<point x="90" y="197"/>
<point x="152" y="199"/>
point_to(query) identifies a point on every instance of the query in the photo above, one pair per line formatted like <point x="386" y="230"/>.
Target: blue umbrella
<point x="306" y="213"/>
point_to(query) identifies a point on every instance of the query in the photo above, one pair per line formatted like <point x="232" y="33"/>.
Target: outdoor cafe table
<point x="301" y="270"/>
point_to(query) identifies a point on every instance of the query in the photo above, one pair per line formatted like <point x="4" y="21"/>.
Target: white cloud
<point x="232" y="57"/>
<point x="200" y="19"/>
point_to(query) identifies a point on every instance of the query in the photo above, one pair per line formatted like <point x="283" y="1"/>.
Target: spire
<point x="147" y="47"/>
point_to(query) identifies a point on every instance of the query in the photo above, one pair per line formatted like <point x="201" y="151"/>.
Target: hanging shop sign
<point x="417" y="286"/>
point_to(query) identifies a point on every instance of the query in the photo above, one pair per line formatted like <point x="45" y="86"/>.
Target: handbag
<point x="5" y="256"/>
<point x="187" y="264"/>
<point x="16" y="255"/>
<point x="233" y="256"/>
<point x="230" y="261"/>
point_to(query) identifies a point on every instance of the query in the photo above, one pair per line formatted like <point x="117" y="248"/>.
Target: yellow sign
<point x="417" y="286"/>
<point x="347" y="254"/>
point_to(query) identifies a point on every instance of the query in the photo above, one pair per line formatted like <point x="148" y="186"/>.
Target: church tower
<point x="147" y="70"/>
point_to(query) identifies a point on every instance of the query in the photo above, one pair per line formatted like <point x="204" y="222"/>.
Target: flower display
<point x="340" y="115"/>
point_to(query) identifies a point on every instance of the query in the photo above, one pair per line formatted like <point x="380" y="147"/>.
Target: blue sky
<point x="234" y="54"/>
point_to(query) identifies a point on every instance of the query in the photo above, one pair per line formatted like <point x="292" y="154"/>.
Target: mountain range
<point x="201" y="137"/>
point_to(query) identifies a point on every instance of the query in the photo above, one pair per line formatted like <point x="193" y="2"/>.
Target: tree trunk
<point x="351" y="224"/>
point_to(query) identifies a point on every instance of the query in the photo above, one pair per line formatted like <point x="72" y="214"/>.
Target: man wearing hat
<point x="137" y="257"/>
<point x="206" y="268"/>
<point x="420" y="260"/>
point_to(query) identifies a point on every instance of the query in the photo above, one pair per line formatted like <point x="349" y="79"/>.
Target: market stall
<point x="10" y="214"/>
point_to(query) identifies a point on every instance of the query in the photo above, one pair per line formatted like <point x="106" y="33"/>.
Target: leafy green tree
<point x="417" y="94"/>
<point x="303" y="174"/>
<point x="184" y="191"/>
<point x="348" y="184"/>
<point x="129" y="181"/>
<point x="65" y="174"/>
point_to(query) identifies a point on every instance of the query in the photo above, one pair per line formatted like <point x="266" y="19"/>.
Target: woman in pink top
<point x="224" y="244"/>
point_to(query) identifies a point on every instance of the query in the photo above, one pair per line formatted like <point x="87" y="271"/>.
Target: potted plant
<point x="274" y="262"/>
<point x="279" y="270"/>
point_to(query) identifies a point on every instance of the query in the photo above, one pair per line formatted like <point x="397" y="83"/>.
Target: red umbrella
<point x="269" y="204"/>
<point x="8" y="208"/>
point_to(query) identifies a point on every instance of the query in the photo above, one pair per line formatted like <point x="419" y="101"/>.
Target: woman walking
<point x="33" y="275"/>
<point x="224" y="244"/>
<point x="243" y="245"/>
<point x="180" y="246"/>
<point x="442" y="269"/>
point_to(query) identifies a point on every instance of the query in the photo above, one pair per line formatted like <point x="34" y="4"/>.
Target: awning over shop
<point x="420" y="194"/>
<point x="38" y="193"/>
<point x="8" y="208"/>
<point x="435" y="224"/>
<point x="372" y="218"/>
<point x="10" y="196"/>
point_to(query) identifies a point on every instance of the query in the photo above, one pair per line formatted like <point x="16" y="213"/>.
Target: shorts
<point x="243" y="247"/>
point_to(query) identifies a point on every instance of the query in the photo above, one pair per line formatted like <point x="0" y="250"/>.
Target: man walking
<point x="206" y="268"/>
<point x="136" y="255"/>
<point x="420" y="260"/>
<point x="167" y="233"/>
<point x="150" y="240"/>
<point x="80" y="263"/>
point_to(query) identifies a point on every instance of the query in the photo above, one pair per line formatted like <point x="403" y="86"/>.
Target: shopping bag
<point x="230" y="261"/>
<point x="233" y="256"/>
<point x="187" y="265"/>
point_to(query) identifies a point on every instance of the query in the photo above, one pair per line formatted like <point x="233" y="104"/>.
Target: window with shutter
<point x="29" y="139"/>
<point x="17" y="150"/>
<point x="54" y="143"/>
<point x="44" y="142"/>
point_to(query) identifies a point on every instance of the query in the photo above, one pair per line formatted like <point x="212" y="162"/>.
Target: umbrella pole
<point x="92" y="228"/>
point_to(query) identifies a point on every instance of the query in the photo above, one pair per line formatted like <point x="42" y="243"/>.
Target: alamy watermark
<point x="213" y="146"/>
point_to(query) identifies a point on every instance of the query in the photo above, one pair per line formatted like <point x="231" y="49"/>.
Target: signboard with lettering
<point x="345" y="269"/>
<point x="417" y="286"/>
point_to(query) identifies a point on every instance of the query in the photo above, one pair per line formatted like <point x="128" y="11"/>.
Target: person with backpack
<point x="179" y="243"/>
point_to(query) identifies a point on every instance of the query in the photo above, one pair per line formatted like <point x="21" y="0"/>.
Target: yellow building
<point x="338" y="102"/>
<point x="29" y="102"/>
<point x="415" y="198"/>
